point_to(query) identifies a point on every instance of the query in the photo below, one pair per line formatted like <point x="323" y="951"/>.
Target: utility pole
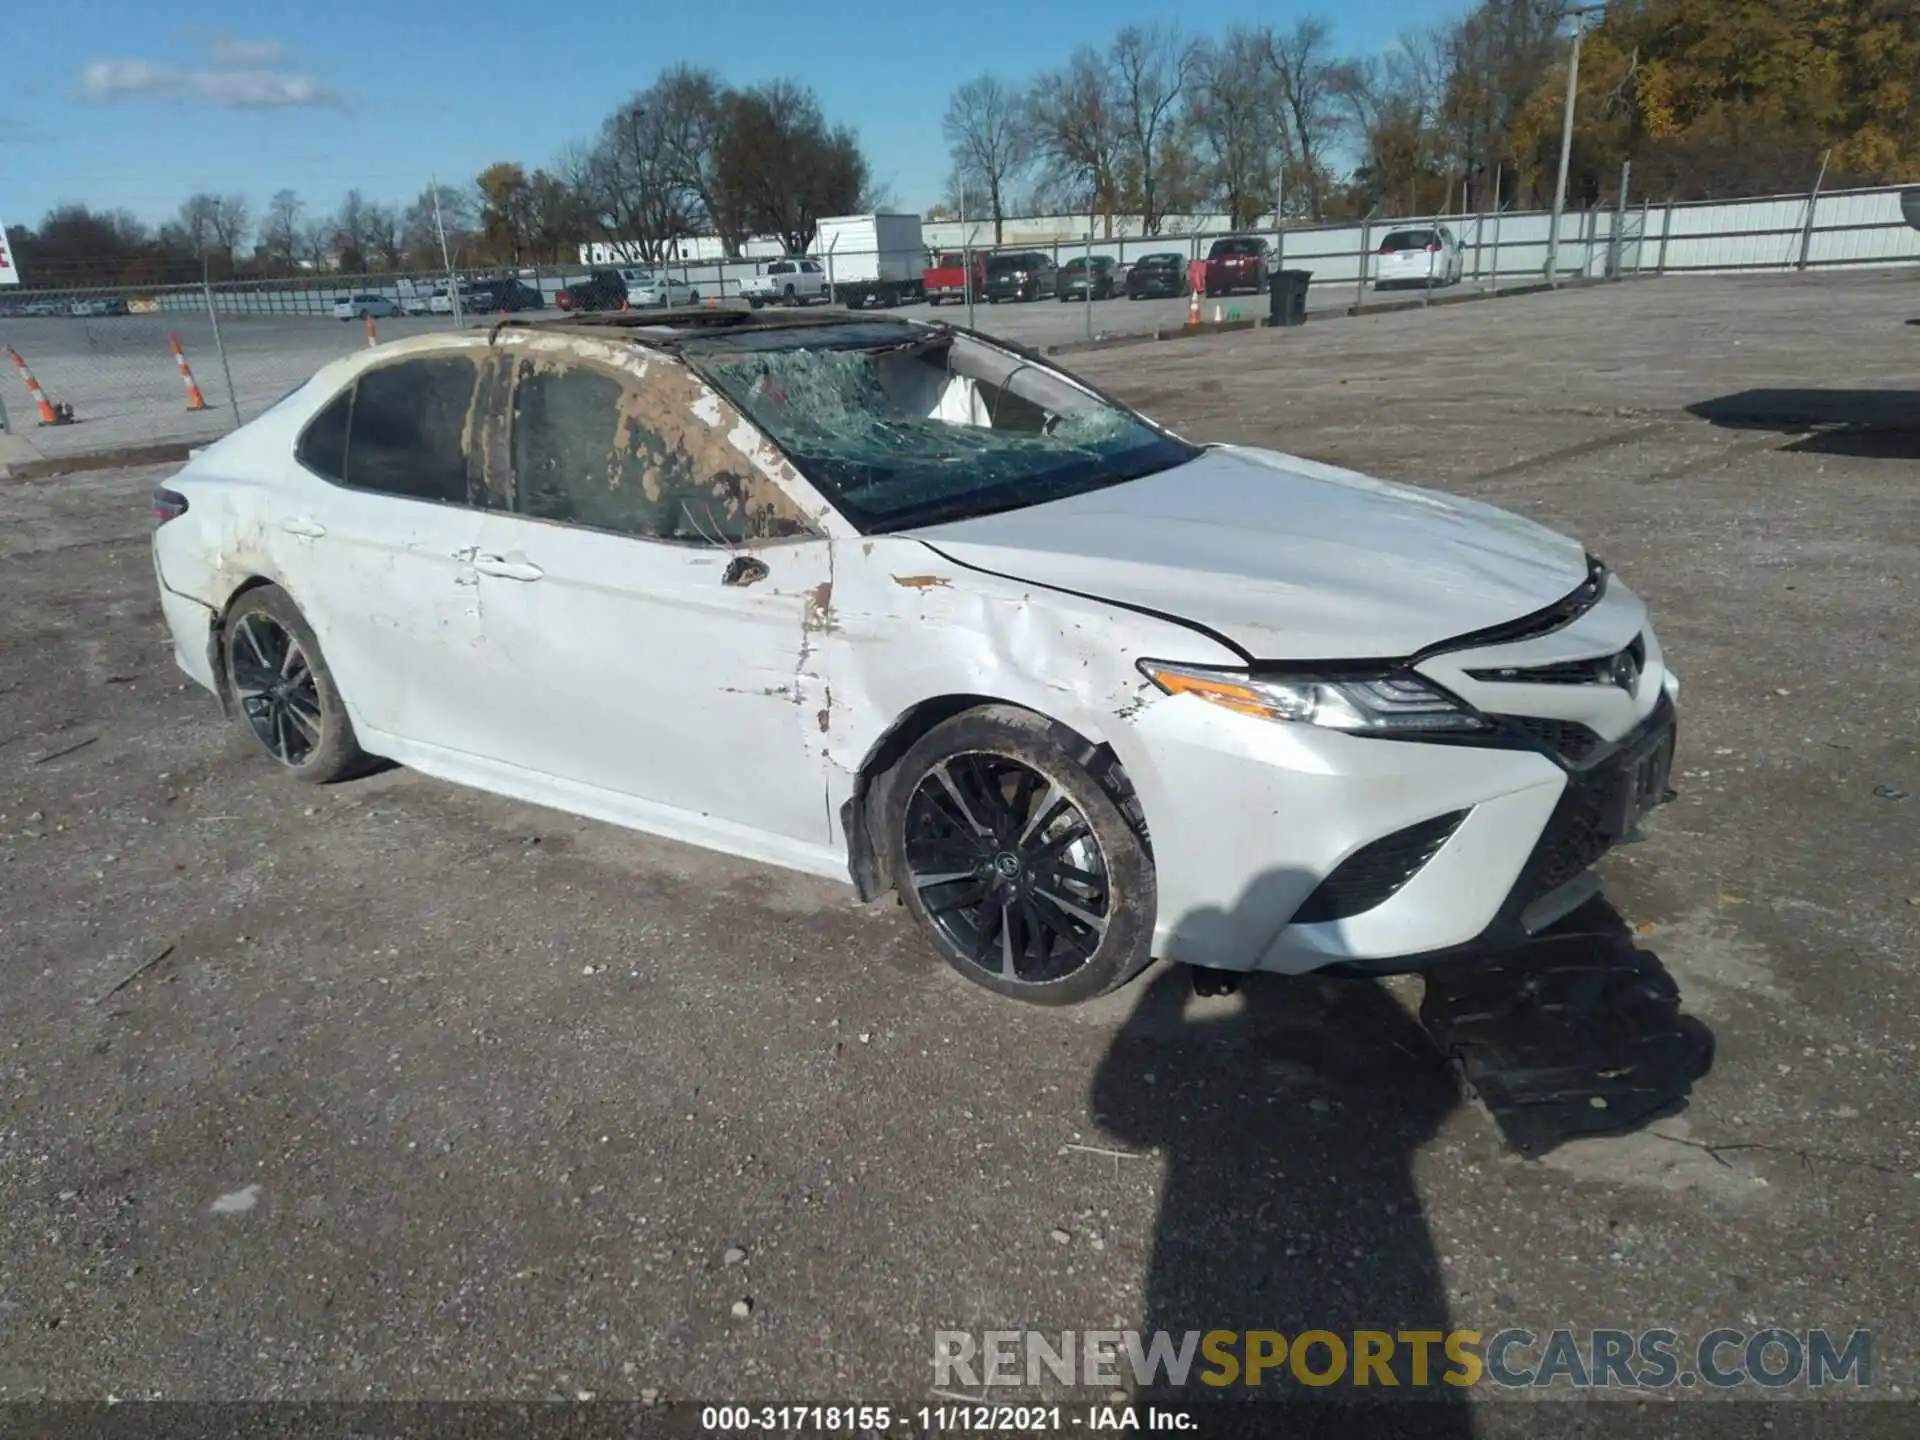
<point x="1579" y="14"/>
<point x="446" y="260"/>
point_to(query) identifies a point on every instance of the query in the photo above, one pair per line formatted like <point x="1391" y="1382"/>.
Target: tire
<point x="1018" y="768"/>
<point x="304" y="727"/>
<point x="754" y="302"/>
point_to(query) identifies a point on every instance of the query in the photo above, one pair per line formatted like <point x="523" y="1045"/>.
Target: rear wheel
<point x="1009" y="844"/>
<point x="280" y="687"/>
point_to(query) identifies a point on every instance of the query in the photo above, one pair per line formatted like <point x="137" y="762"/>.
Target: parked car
<point x="1423" y="256"/>
<point x="43" y="307"/>
<point x="946" y="279"/>
<point x="361" y="307"/>
<point x="1454" y="710"/>
<point x="787" y="282"/>
<point x="1163" y="273"/>
<point x="1084" y="278"/>
<point x="1238" y="262"/>
<point x="651" y="289"/>
<point x="1025" y="276"/>
<point x="491" y="297"/>
<point x="601" y="290"/>
<point x="106" y="305"/>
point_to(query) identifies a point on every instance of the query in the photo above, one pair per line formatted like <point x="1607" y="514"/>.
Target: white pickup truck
<point x="787" y="282"/>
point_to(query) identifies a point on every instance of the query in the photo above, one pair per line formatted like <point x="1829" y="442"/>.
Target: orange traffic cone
<point x="372" y="339"/>
<point x="49" y="414"/>
<point x="1193" y="307"/>
<point x="195" y="400"/>
<point x="623" y="304"/>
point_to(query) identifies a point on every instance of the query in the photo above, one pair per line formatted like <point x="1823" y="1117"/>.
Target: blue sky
<point x="121" y="103"/>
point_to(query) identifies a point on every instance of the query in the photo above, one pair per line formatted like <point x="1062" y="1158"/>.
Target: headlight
<point x="1385" y="704"/>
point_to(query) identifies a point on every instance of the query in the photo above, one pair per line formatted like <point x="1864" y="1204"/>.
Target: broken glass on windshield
<point x="938" y="427"/>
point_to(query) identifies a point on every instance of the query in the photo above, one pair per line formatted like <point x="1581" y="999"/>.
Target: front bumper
<point x="1254" y="823"/>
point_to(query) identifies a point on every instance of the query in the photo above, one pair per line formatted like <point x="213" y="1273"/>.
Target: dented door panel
<point x="632" y="666"/>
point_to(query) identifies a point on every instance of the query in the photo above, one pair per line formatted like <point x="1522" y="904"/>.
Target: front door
<point x="651" y="609"/>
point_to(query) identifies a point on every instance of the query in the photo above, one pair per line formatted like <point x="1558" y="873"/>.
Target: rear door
<point x="652" y="605"/>
<point x="375" y="543"/>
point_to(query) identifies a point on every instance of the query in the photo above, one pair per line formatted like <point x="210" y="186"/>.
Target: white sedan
<point x="647" y="289"/>
<point x="360" y="307"/>
<point x="883" y="601"/>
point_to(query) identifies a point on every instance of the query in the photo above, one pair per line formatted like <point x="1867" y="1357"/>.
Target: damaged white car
<point x="894" y="602"/>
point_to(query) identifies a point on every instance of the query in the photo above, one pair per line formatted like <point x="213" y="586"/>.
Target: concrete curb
<point x="39" y="467"/>
<point x="1384" y="307"/>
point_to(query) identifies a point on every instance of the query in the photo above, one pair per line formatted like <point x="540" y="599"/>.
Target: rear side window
<point x="408" y="430"/>
<point x="323" y="445"/>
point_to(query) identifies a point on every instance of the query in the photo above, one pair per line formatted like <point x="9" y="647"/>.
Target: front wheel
<point x="1009" y="844"/>
<point x="279" y="685"/>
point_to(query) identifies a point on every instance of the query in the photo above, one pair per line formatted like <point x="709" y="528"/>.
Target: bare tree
<point x="1497" y="57"/>
<point x="1149" y="71"/>
<point x="1077" y="136"/>
<point x="350" y="241"/>
<point x="420" y="226"/>
<point x="192" y="228"/>
<point x="988" y="134"/>
<point x="279" y="238"/>
<point x="382" y="230"/>
<point x="1237" y="110"/>
<point x="229" y="219"/>
<point x="319" y="244"/>
<point x="688" y="106"/>
<point x="1307" y="75"/>
<point x="624" y="185"/>
<point x="783" y="168"/>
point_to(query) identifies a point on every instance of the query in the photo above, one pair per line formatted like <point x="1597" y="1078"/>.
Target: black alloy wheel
<point x="274" y="686"/>
<point x="1007" y="867"/>
<point x="1027" y="872"/>
<point x="278" y="683"/>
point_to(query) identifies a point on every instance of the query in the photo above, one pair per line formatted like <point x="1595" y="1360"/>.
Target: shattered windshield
<point x="938" y="427"/>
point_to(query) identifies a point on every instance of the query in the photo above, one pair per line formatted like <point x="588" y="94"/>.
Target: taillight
<point x="168" y="505"/>
<point x="1433" y="249"/>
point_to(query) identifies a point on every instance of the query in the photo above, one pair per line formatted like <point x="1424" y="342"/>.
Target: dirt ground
<point x="422" y="1093"/>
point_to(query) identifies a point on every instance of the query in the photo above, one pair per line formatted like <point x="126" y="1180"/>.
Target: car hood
<point x="1287" y="558"/>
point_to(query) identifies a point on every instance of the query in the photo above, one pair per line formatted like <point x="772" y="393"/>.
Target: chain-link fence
<point x="105" y="369"/>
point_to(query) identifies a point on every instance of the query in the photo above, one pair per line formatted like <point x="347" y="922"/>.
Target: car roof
<point x="730" y="327"/>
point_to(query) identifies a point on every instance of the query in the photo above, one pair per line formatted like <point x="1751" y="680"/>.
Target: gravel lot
<point x="433" y="1094"/>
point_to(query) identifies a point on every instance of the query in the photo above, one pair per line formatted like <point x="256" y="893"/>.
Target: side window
<point x="323" y="444"/>
<point x="408" y="436"/>
<point x="628" y="456"/>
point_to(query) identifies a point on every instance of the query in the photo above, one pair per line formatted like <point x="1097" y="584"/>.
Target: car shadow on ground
<point x="1289" y="1115"/>
<point x="1858" y="424"/>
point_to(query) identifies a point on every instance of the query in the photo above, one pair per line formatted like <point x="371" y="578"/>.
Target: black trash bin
<point x="1287" y="297"/>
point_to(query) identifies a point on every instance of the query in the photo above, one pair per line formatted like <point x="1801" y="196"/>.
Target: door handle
<point x="507" y="569"/>
<point x="300" y="525"/>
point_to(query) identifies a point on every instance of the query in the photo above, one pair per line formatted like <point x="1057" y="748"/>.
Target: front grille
<point x="1594" y="670"/>
<point x="1374" y="873"/>
<point x="1569" y="739"/>
<point x="1573" y="840"/>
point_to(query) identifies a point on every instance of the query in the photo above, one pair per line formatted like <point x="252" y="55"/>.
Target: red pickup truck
<point x="1239" y="262"/>
<point x="947" y="279"/>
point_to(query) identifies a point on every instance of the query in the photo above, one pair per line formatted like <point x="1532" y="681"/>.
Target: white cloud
<point x="240" y="77"/>
<point x="242" y="54"/>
